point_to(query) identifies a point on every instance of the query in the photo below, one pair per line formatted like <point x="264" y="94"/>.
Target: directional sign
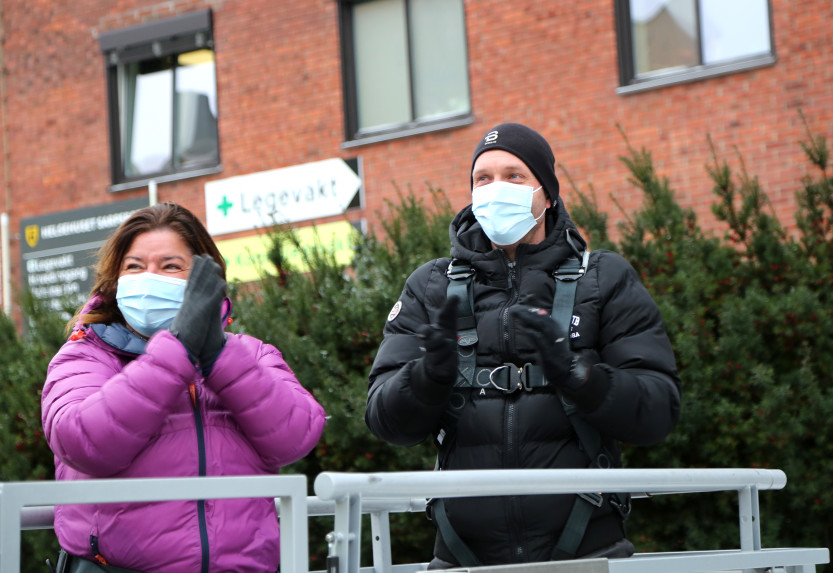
<point x="286" y="195"/>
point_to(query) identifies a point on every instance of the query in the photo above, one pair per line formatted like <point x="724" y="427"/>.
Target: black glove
<point x="198" y="324"/>
<point x="556" y="359"/>
<point x="440" y="344"/>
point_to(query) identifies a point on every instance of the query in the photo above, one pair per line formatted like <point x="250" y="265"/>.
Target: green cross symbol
<point x="225" y="206"/>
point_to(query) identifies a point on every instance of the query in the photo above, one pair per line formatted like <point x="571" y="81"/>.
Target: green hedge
<point x="25" y="455"/>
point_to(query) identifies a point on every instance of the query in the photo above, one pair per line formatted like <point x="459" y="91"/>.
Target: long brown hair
<point x="162" y="216"/>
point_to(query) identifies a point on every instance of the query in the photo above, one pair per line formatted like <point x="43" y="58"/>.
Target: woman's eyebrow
<point x="163" y="259"/>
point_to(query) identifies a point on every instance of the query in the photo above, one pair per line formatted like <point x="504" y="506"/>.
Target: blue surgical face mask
<point x="504" y="211"/>
<point x="149" y="302"/>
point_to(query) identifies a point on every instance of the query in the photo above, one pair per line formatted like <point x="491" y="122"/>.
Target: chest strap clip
<point x="508" y="378"/>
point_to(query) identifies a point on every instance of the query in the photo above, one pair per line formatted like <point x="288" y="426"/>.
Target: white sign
<point x="287" y="195"/>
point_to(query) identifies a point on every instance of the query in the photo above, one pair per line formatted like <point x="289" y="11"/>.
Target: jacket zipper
<point x="510" y="421"/>
<point x="512" y="300"/>
<point x="192" y="390"/>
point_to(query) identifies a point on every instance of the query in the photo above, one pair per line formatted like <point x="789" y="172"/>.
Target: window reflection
<point x="145" y="91"/>
<point x="196" y="96"/>
<point x="168" y="118"/>
<point x="664" y="34"/>
<point x="734" y="29"/>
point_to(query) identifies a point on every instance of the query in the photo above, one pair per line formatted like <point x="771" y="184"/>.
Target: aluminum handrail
<point x="290" y="489"/>
<point x="350" y="491"/>
<point x="472" y="483"/>
<point x="43" y="516"/>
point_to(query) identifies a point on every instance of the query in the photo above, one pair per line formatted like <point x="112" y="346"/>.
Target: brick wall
<point x="552" y="65"/>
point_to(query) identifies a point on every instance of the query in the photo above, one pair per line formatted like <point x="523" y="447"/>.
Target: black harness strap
<point x="452" y="541"/>
<point x="509" y="378"/>
<point x="459" y="284"/>
<point x="566" y="281"/>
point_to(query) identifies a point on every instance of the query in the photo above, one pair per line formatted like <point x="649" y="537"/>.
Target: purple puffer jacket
<point x="114" y="406"/>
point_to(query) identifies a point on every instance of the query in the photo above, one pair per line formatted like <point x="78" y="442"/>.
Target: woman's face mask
<point x="504" y="211"/>
<point x="149" y="302"/>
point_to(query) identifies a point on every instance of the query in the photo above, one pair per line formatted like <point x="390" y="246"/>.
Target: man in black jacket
<point x="522" y="386"/>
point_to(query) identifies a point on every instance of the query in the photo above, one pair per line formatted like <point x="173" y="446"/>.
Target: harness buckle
<point x="595" y="499"/>
<point x="458" y="272"/>
<point x="572" y="274"/>
<point x="623" y="507"/>
<point x="532" y="377"/>
<point x="510" y="378"/>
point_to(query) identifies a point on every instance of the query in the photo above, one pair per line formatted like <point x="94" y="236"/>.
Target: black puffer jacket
<point x="632" y="394"/>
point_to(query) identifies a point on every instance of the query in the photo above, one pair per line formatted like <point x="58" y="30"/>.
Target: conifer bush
<point x="750" y="319"/>
<point x="26" y="456"/>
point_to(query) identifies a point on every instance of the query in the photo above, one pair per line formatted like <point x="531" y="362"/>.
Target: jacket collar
<point x="119" y="337"/>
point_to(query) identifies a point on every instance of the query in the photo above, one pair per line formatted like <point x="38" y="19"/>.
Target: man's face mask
<point x="149" y="302"/>
<point x="504" y="211"/>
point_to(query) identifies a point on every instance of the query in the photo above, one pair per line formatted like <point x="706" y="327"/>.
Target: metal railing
<point x="26" y="505"/>
<point x="346" y="496"/>
<point x="349" y="491"/>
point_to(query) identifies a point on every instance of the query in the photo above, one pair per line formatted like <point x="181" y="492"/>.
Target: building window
<point x="667" y="41"/>
<point x="162" y="100"/>
<point x="405" y="65"/>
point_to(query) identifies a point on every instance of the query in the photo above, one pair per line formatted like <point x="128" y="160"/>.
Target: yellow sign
<point x="32" y="235"/>
<point x="247" y="258"/>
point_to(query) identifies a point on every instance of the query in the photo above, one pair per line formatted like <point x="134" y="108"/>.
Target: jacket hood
<point x="470" y="243"/>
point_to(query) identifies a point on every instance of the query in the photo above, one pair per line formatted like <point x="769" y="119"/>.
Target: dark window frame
<point x="152" y="41"/>
<point x="353" y="135"/>
<point x="629" y="83"/>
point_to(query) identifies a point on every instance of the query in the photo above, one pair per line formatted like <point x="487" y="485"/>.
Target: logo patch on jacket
<point x="394" y="312"/>
<point x="574" y="323"/>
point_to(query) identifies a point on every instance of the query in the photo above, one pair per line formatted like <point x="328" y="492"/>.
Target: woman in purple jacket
<point x="150" y="385"/>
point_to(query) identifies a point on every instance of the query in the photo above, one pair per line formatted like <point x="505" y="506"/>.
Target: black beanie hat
<point x="529" y="146"/>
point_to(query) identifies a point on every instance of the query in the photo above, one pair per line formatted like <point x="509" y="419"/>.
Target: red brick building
<point x="99" y="98"/>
